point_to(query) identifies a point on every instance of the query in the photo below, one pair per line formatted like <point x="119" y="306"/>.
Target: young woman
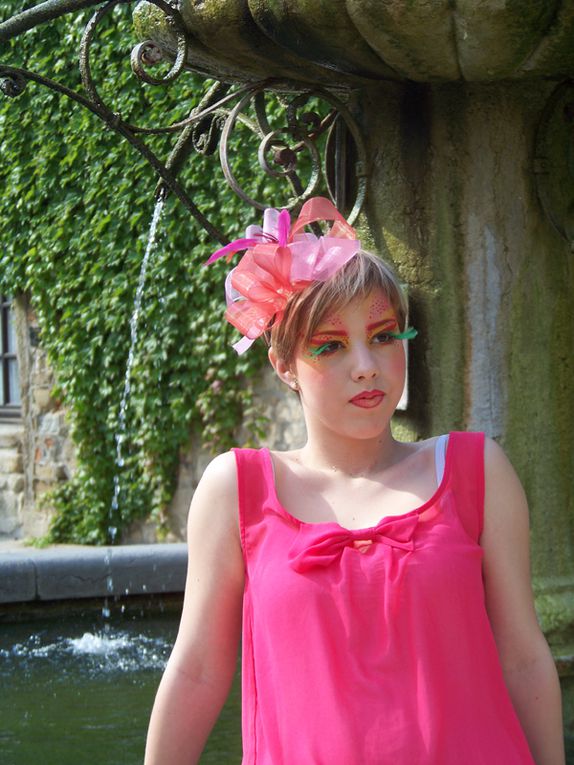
<point x="381" y="588"/>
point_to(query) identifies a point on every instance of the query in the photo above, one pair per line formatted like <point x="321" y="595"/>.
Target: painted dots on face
<point x="379" y="306"/>
<point x="334" y="321"/>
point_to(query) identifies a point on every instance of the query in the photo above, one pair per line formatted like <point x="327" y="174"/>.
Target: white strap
<point x="440" y="457"/>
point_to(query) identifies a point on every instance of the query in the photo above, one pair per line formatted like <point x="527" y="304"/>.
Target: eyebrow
<point x="343" y="333"/>
<point x="384" y="323"/>
<point x="330" y="333"/>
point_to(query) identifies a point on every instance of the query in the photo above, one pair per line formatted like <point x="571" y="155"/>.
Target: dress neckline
<point x="270" y="476"/>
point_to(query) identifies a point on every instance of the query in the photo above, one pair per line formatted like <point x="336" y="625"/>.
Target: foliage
<point x="75" y="208"/>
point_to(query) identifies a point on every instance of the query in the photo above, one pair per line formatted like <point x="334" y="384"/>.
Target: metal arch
<point x="140" y="55"/>
<point x="213" y="120"/>
<point x="137" y="56"/>
<point x="340" y="111"/>
<point x="288" y="160"/>
<point x="13" y="79"/>
<point x="304" y="131"/>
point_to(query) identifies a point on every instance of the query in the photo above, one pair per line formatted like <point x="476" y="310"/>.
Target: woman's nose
<point x="364" y="364"/>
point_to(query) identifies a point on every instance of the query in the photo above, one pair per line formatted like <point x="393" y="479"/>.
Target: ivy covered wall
<point x="75" y="209"/>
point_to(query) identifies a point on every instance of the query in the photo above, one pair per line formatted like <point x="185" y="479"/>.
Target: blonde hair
<point x="305" y="310"/>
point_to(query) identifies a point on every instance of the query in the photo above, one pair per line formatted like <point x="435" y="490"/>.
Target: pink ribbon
<point x="321" y="545"/>
<point x="281" y="260"/>
<point x="318" y="546"/>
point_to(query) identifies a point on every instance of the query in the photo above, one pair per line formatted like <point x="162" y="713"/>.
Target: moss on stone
<point x="347" y="43"/>
<point x="556" y="614"/>
<point x="494" y="40"/>
<point x="319" y="31"/>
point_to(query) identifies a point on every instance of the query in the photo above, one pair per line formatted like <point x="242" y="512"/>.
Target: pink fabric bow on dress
<point x="280" y="260"/>
<point x="318" y="544"/>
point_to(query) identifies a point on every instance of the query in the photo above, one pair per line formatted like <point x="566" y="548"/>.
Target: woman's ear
<point x="282" y="371"/>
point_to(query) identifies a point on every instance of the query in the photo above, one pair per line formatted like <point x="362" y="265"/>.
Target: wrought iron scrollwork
<point x="282" y="148"/>
<point x="318" y="142"/>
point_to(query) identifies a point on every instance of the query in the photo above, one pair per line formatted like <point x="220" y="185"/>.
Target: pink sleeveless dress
<point x="372" y="646"/>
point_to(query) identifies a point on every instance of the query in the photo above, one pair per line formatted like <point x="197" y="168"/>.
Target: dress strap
<point x="255" y="489"/>
<point x="466" y="452"/>
<point x="440" y="457"/>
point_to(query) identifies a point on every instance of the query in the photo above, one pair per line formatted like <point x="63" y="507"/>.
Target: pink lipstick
<point x="368" y="399"/>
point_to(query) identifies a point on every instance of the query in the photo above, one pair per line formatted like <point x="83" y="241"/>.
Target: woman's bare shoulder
<point x="221" y="473"/>
<point x="215" y="500"/>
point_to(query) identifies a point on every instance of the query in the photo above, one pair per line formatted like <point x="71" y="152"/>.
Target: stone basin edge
<point x="76" y="572"/>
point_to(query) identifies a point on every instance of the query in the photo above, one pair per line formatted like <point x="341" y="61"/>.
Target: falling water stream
<point x="134" y="326"/>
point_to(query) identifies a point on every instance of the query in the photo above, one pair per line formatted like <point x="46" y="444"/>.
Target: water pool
<point x="80" y="691"/>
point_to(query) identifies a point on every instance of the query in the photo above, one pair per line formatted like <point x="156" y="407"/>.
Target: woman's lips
<point x="368" y="399"/>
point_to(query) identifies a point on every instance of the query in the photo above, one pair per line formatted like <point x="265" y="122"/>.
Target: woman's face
<point x="351" y="373"/>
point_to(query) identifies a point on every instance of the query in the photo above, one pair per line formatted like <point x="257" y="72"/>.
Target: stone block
<point x="42" y="399"/>
<point x="140" y="532"/>
<point x="10" y="507"/>
<point x="63" y="472"/>
<point x="52" y="424"/>
<point x="10" y="436"/>
<point x="144" y="569"/>
<point x="10" y="461"/>
<point x="40" y="487"/>
<point x="9" y="525"/>
<point x="45" y="472"/>
<point x="42" y="374"/>
<point x="17" y="578"/>
<point x="73" y="573"/>
<point x="91" y="572"/>
<point x="35" y="521"/>
<point x="15" y="483"/>
<point x="286" y="428"/>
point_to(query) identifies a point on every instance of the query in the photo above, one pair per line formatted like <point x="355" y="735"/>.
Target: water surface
<point x="80" y="692"/>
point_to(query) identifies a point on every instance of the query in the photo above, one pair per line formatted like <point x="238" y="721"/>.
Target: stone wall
<point x="11" y="480"/>
<point x="36" y="453"/>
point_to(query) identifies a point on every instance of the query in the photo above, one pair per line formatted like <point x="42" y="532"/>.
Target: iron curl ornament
<point x="315" y="145"/>
<point x="281" y="148"/>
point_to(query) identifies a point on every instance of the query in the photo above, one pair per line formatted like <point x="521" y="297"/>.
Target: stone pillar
<point x="453" y="203"/>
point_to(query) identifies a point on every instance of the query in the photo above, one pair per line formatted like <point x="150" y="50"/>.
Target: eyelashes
<point x="325" y="347"/>
<point x="409" y="334"/>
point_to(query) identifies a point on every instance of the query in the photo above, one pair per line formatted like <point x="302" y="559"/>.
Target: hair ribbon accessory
<point x="280" y="260"/>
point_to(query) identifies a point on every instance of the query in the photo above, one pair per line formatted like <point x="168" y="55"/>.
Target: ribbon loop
<point x="281" y="260"/>
<point x="320" y="545"/>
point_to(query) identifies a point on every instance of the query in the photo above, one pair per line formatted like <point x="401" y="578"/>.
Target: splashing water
<point x="134" y="321"/>
<point x="91" y="653"/>
<point x="98" y="644"/>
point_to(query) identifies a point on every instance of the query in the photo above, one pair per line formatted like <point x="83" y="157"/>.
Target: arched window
<point x="9" y="377"/>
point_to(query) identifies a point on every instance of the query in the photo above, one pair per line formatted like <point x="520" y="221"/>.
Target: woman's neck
<point x="353" y="457"/>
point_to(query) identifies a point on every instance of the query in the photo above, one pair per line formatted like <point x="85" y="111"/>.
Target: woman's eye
<point x="384" y="337"/>
<point x="325" y="348"/>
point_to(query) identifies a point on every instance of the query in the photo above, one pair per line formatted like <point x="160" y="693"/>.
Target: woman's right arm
<point x="200" y="670"/>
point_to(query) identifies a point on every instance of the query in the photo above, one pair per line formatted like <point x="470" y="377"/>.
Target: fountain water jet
<point x="134" y="326"/>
